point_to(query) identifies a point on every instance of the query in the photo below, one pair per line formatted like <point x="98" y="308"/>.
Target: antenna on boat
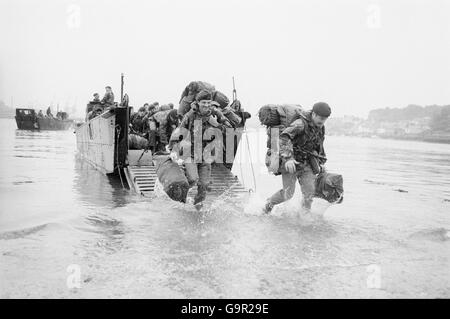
<point x="234" y="91"/>
<point x="121" y="87"/>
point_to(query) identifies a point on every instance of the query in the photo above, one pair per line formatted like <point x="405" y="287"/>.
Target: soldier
<point x="165" y="123"/>
<point x="49" y="112"/>
<point x="302" y="154"/>
<point x="97" y="110"/>
<point x="108" y="99"/>
<point x="209" y="117"/>
<point x="96" y="98"/>
<point x="139" y="121"/>
<point x="189" y="93"/>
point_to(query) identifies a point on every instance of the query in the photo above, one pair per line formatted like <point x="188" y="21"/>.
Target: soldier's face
<point x="318" y="120"/>
<point x="204" y="107"/>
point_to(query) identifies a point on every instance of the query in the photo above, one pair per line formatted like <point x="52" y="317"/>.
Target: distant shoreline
<point x="430" y="139"/>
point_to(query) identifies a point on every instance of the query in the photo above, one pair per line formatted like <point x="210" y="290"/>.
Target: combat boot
<point x="268" y="207"/>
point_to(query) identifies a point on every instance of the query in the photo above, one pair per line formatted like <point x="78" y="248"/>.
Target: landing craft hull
<point x="103" y="142"/>
<point x="43" y="124"/>
<point x="49" y="124"/>
<point x="27" y="119"/>
<point x="26" y="124"/>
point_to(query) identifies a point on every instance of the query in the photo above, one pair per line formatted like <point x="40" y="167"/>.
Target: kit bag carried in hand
<point x="330" y="187"/>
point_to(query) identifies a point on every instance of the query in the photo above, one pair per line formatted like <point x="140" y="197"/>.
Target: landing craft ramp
<point x="141" y="177"/>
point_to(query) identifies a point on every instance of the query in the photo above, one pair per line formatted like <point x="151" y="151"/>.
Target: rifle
<point x="315" y="155"/>
<point x="314" y="161"/>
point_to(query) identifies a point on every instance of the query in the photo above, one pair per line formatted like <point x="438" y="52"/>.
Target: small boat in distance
<point x="27" y="119"/>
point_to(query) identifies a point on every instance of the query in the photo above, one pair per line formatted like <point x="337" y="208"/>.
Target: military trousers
<point x="200" y="174"/>
<point x="307" y="180"/>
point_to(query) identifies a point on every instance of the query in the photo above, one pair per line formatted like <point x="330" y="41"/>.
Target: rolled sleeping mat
<point x="231" y="116"/>
<point x="221" y="99"/>
<point x="173" y="179"/>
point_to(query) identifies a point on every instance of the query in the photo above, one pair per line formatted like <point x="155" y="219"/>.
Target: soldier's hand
<point x="290" y="166"/>
<point x="174" y="156"/>
<point x="213" y="121"/>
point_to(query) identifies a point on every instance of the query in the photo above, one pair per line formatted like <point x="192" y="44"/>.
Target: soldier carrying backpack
<point x="301" y="152"/>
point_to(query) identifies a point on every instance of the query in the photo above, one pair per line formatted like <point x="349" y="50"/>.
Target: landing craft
<point x="26" y="119"/>
<point x="103" y="142"/>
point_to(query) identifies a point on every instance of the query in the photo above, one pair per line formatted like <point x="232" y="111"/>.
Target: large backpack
<point x="281" y="115"/>
<point x="277" y="116"/>
<point x="188" y="95"/>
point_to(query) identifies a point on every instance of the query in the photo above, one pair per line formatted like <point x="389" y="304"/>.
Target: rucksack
<point x="279" y="116"/>
<point x="221" y="99"/>
<point x="283" y="115"/>
<point x="188" y="95"/>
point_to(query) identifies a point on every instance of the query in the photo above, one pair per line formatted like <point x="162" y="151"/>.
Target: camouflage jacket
<point x="166" y="124"/>
<point x="139" y="123"/>
<point x="300" y="137"/>
<point x="214" y="120"/>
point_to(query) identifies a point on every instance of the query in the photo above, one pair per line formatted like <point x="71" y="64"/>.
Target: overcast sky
<point x="356" y="55"/>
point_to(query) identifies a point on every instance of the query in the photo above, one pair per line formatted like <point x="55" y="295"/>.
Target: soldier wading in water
<point x="201" y="117"/>
<point x="301" y="156"/>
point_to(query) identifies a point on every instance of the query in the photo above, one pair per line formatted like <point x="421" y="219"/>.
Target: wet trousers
<point x="306" y="179"/>
<point x="200" y="174"/>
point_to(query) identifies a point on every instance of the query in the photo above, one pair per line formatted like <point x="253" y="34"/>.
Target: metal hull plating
<point x="96" y="142"/>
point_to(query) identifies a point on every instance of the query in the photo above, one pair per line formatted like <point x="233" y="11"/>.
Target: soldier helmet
<point x="322" y="109"/>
